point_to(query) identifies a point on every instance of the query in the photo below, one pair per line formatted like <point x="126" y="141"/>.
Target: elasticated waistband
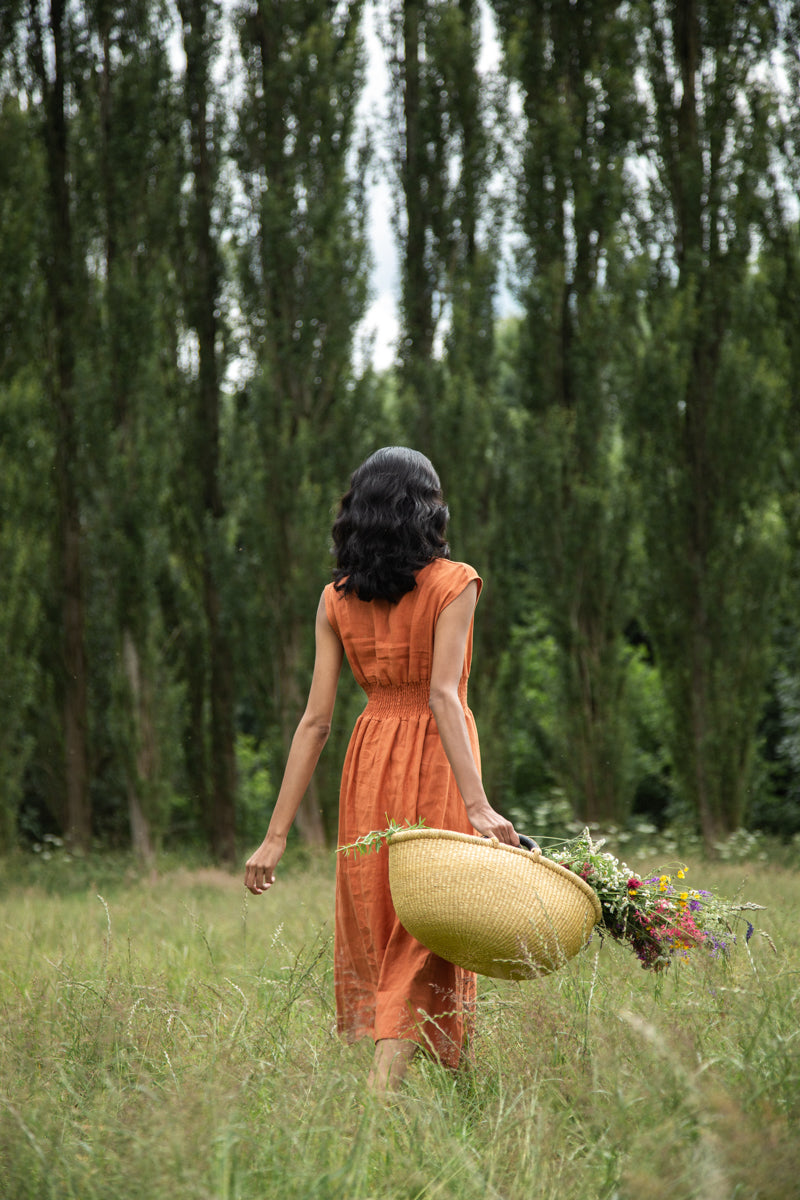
<point x="402" y="700"/>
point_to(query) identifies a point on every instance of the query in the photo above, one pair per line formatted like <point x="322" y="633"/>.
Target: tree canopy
<point x="595" y="209"/>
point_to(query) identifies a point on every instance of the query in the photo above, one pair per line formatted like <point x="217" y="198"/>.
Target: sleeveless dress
<point x="387" y="984"/>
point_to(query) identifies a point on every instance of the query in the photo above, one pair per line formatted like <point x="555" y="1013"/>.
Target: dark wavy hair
<point x="390" y="523"/>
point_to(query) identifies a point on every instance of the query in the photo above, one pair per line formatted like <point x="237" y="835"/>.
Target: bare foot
<point x="389" y="1066"/>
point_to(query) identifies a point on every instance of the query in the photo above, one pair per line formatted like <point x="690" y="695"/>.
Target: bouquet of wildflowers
<point x="660" y="917"/>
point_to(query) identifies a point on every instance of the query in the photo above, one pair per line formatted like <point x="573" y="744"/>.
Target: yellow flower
<point x="681" y="874"/>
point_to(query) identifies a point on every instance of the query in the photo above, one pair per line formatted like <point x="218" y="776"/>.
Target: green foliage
<point x="711" y="607"/>
<point x="708" y="403"/>
<point x="537" y="746"/>
<point x="444" y="145"/>
<point x="581" y="119"/>
<point x="376" y="838"/>
<point x="528" y="684"/>
<point x="302" y="420"/>
<point x="774" y="804"/>
<point x="649" y="719"/>
<point x="21" y="188"/>
<point x="257" y="790"/>
<point x="25" y="517"/>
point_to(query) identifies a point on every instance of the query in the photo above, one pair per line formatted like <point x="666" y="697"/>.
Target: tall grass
<point x="171" y="1036"/>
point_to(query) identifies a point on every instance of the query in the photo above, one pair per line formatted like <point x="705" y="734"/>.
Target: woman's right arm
<point x="310" y="736"/>
<point x="449" y="646"/>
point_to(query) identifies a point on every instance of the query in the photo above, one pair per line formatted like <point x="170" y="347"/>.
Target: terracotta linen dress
<point x="387" y="984"/>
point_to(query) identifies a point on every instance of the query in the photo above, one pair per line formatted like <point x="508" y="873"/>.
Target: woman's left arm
<point x="310" y="736"/>
<point x="449" y="647"/>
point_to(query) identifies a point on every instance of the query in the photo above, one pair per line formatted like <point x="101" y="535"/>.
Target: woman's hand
<point x="259" y="871"/>
<point x="484" y="819"/>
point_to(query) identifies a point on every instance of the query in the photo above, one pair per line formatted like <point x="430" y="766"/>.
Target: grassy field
<point x="172" y="1036"/>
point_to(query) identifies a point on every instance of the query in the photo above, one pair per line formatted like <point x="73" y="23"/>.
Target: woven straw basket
<point x="494" y="909"/>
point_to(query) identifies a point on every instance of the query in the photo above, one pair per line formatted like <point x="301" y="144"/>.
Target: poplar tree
<point x="445" y="146"/>
<point x="443" y="155"/>
<point x="98" y="89"/>
<point x="210" y="675"/>
<point x="43" y="35"/>
<point x="709" y="399"/>
<point x="302" y="418"/>
<point x="574" y="67"/>
<point x="25" y="455"/>
<point x="128" y="164"/>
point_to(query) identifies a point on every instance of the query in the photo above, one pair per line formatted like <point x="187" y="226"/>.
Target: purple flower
<point x="750" y="932"/>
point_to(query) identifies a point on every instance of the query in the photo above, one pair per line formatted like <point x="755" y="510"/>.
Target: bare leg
<point x="389" y="1066"/>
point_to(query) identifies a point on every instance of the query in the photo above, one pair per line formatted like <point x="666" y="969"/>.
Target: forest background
<point x="185" y="388"/>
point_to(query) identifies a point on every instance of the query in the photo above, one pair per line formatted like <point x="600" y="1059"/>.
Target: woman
<point x="402" y="613"/>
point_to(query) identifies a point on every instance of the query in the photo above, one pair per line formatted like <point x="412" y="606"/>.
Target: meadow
<point x="166" y="1034"/>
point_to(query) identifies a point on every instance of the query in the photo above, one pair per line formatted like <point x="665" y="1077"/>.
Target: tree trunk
<point x="688" y="188"/>
<point x="75" y="705"/>
<point x="209" y="505"/>
<point x="223" y="741"/>
<point x="195" y="737"/>
<point x="145" y="750"/>
<point x="62" y="303"/>
<point x="142" y="757"/>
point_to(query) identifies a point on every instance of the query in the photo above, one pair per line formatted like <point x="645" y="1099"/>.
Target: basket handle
<point x="528" y="843"/>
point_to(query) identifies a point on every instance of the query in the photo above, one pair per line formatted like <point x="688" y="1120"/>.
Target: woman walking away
<point x="402" y="612"/>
